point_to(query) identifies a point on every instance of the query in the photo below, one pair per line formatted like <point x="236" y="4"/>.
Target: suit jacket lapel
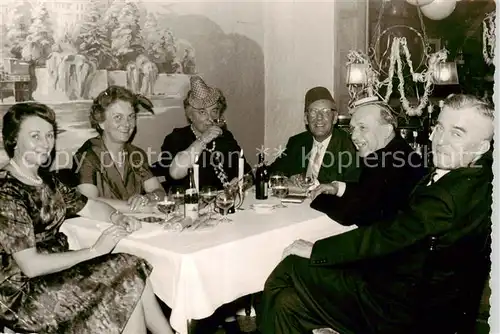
<point x="307" y="147"/>
<point x="332" y="148"/>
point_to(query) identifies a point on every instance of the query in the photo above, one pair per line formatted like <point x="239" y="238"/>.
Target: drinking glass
<point x="166" y="206"/>
<point x="220" y="122"/>
<point x="274" y="178"/>
<point x="177" y="194"/>
<point x="279" y="188"/>
<point x="224" y="200"/>
<point x="208" y="195"/>
<point x="306" y="181"/>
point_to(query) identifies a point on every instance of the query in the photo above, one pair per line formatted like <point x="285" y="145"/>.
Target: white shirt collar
<point x="440" y="173"/>
<point x="323" y="144"/>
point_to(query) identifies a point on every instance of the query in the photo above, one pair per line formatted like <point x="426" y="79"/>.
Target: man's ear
<point x="389" y="129"/>
<point x="335" y="118"/>
<point x="484" y="147"/>
<point x="305" y="119"/>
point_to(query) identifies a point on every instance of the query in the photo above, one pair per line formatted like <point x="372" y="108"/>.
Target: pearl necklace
<point x="35" y="180"/>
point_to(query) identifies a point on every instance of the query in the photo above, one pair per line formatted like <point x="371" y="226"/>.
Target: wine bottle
<point x="191" y="198"/>
<point x="261" y="179"/>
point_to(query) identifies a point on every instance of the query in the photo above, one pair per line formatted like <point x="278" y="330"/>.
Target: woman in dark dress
<point x="109" y="167"/>
<point x="44" y="287"/>
<point x="213" y="145"/>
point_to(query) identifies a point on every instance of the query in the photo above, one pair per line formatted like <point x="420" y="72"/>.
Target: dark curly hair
<point x="109" y="96"/>
<point x="15" y="116"/>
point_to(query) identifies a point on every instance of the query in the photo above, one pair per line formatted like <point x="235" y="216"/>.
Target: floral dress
<point x="95" y="296"/>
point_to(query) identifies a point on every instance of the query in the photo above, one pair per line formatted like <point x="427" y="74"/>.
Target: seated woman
<point x="214" y="146"/>
<point x="45" y="288"/>
<point x="110" y="168"/>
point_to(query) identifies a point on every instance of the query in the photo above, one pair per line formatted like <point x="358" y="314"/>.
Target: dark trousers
<point x="298" y="298"/>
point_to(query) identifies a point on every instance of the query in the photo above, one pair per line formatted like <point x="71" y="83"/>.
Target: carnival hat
<point x="202" y="96"/>
<point x="317" y="93"/>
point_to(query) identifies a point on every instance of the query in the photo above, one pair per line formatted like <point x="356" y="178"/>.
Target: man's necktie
<point x="316" y="162"/>
<point x="432" y="178"/>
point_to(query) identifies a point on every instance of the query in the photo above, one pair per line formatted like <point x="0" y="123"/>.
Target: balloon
<point x="419" y="2"/>
<point x="439" y="9"/>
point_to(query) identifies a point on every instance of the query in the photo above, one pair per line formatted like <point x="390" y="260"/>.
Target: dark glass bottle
<point x="191" y="198"/>
<point x="261" y="179"/>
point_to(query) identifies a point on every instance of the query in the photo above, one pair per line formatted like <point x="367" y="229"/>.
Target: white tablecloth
<point x="195" y="272"/>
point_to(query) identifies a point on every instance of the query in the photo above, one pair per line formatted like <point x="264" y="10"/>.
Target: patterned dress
<point x="95" y="296"/>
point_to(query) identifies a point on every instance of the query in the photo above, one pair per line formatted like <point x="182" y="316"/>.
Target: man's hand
<point x="326" y="188"/>
<point x="300" y="248"/>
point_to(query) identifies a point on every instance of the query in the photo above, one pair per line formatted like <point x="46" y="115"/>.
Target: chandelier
<point x="364" y="70"/>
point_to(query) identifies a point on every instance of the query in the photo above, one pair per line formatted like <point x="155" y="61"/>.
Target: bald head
<point x="372" y="127"/>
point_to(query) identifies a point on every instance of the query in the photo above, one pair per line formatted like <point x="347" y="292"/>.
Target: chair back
<point x="452" y="283"/>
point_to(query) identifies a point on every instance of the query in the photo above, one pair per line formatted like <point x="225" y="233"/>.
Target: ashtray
<point x="262" y="208"/>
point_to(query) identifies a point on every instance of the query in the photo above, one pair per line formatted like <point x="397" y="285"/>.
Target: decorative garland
<point x="218" y="167"/>
<point x="396" y="66"/>
<point x="489" y="38"/>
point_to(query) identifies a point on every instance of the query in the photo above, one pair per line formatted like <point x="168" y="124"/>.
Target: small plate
<point x="262" y="208"/>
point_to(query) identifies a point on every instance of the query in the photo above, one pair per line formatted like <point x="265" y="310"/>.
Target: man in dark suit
<point x="324" y="152"/>
<point x="378" y="279"/>
<point x="390" y="169"/>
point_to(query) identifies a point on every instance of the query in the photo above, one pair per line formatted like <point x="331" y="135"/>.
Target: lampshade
<point x="356" y="74"/>
<point x="446" y="74"/>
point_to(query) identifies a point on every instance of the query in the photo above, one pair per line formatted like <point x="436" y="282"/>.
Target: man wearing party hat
<point x="421" y="272"/>
<point x="323" y="152"/>
<point x="205" y="141"/>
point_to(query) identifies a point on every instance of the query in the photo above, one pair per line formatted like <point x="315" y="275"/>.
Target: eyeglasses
<point x="205" y="112"/>
<point x="314" y="113"/>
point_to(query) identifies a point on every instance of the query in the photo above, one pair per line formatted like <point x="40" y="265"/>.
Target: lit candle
<point x="241" y="164"/>
<point x="196" y="172"/>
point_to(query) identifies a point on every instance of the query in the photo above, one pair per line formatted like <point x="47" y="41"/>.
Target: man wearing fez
<point x="390" y="169"/>
<point x="324" y="152"/>
<point x="385" y="278"/>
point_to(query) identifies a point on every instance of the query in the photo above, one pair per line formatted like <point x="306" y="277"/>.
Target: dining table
<point x="197" y="271"/>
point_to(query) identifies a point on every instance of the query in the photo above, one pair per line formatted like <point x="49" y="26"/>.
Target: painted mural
<point x="64" y="53"/>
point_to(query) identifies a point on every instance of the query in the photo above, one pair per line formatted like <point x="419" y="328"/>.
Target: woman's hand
<point x="210" y="134"/>
<point x="109" y="238"/>
<point x="137" y="202"/>
<point x="130" y="224"/>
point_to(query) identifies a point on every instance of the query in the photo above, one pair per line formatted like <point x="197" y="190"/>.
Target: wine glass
<point x="224" y="200"/>
<point x="220" y="122"/>
<point x="166" y="206"/>
<point x="279" y="188"/>
<point x="306" y="181"/>
<point x="274" y="178"/>
<point x="208" y="194"/>
<point x="177" y="194"/>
